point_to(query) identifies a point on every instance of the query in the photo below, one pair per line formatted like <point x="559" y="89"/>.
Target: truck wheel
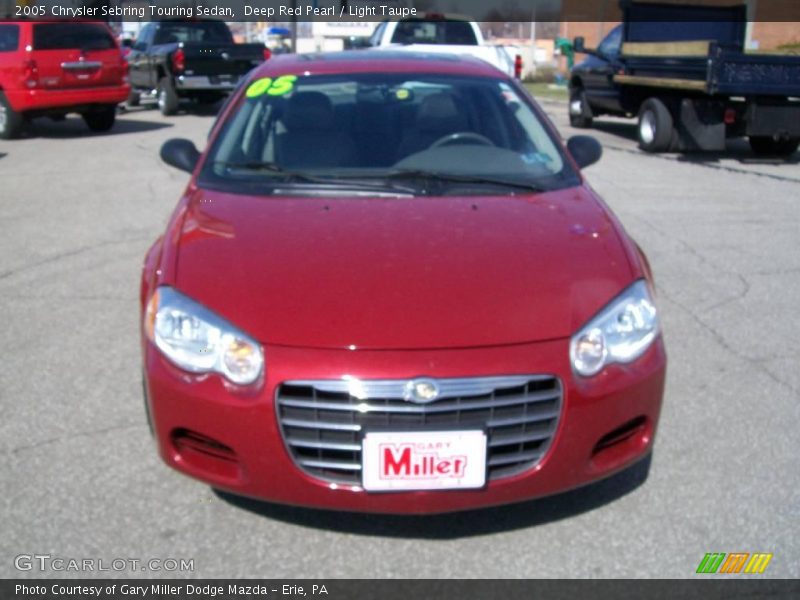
<point x="11" y="121"/>
<point x="580" y="113"/>
<point x="101" y="119"/>
<point x="656" y="130"/>
<point x="134" y="98"/>
<point x="167" y="97"/>
<point x="767" y="146"/>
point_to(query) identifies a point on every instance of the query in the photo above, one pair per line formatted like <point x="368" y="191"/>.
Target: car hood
<point x="401" y="273"/>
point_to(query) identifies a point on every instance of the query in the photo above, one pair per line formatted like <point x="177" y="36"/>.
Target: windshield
<point x="611" y="44"/>
<point x="170" y="32"/>
<point x="382" y="127"/>
<point x="9" y="38"/>
<point x="71" y="36"/>
<point x="412" y="31"/>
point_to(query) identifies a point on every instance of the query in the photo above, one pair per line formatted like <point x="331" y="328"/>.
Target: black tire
<point x="656" y="130"/>
<point x="11" y="122"/>
<point x="101" y="119"/>
<point x="167" y="97"/>
<point x="580" y="113"/>
<point x="134" y="98"/>
<point x="767" y="146"/>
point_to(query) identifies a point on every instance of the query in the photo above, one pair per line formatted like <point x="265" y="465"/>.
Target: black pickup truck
<point x="193" y="60"/>
<point x="684" y="71"/>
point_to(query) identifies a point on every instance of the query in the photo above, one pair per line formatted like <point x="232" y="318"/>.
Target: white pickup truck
<point x="441" y="34"/>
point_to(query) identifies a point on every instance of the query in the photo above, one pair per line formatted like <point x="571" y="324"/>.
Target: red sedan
<point x="388" y="288"/>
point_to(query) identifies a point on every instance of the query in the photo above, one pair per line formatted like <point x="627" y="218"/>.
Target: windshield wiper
<point x="298" y="177"/>
<point x="255" y="165"/>
<point x="451" y="178"/>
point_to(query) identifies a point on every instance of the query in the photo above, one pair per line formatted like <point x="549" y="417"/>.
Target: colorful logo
<point x="733" y="563"/>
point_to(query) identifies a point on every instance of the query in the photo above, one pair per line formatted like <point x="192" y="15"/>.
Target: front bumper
<point x="40" y="99"/>
<point x="607" y="423"/>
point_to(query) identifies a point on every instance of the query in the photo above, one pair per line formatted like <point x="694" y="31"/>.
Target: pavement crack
<point x="151" y="189"/>
<point x="103" y="297"/>
<point x="720" y="339"/>
<point x="746" y="287"/>
<point x="66" y="254"/>
<point x="78" y="434"/>
<point x="771" y="272"/>
<point x="743" y="281"/>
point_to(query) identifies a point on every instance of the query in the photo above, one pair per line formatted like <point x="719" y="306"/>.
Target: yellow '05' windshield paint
<point x="272" y="87"/>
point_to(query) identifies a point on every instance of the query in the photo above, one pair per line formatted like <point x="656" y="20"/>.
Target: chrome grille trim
<point x="323" y="445"/>
<point x="317" y="425"/>
<point x="322" y="422"/>
<point x="520" y="420"/>
<point x="504" y="460"/>
<point x="518" y="439"/>
<point x="330" y="464"/>
<point x="394" y="389"/>
<point x="417" y="408"/>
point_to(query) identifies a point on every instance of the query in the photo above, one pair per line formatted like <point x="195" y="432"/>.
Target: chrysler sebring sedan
<point x="388" y="288"/>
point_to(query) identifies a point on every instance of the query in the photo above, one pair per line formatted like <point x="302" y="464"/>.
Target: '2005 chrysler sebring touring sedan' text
<point x="388" y="288"/>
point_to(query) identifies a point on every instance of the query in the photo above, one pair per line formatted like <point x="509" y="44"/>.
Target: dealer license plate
<point x="423" y="460"/>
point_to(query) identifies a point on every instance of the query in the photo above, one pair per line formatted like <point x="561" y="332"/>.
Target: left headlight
<point x="197" y="340"/>
<point x="620" y="333"/>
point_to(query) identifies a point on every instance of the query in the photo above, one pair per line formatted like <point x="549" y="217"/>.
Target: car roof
<point x="377" y="61"/>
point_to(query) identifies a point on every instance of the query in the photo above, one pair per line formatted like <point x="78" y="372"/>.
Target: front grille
<point x="322" y="422"/>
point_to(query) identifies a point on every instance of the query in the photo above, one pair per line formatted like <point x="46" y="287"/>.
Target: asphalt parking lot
<point x="81" y="478"/>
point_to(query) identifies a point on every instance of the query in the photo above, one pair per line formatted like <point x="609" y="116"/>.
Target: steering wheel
<point x="462" y="137"/>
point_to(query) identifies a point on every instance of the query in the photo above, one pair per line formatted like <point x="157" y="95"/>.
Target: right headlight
<point x="197" y="340"/>
<point x="620" y="333"/>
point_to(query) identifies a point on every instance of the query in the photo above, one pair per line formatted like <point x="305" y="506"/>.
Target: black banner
<point x="399" y="589"/>
<point x="348" y="11"/>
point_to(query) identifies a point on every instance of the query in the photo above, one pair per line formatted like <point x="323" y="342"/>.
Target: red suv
<point x="55" y="68"/>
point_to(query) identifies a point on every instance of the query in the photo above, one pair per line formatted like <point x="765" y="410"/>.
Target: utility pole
<point x="294" y="26"/>
<point x="752" y="7"/>
<point x="533" y="40"/>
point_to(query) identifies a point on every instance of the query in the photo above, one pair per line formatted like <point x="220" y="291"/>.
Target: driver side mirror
<point x="584" y="149"/>
<point x="579" y="44"/>
<point x="181" y="154"/>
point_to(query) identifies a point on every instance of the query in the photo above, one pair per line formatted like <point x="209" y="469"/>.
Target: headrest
<point x="309" y="111"/>
<point x="439" y="112"/>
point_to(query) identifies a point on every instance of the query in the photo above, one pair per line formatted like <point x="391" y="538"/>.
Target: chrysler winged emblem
<point x="421" y="391"/>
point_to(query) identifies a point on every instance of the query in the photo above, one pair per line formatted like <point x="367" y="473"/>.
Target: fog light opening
<point x="629" y="430"/>
<point x="185" y="440"/>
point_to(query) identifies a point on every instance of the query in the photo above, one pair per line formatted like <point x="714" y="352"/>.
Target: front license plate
<point x="423" y="460"/>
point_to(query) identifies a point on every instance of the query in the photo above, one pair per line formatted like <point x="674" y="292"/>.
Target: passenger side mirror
<point x="181" y="154"/>
<point x="579" y="44"/>
<point x="584" y="149"/>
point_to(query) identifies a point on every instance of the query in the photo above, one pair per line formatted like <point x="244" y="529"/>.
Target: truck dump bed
<point x="700" y="49"/>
